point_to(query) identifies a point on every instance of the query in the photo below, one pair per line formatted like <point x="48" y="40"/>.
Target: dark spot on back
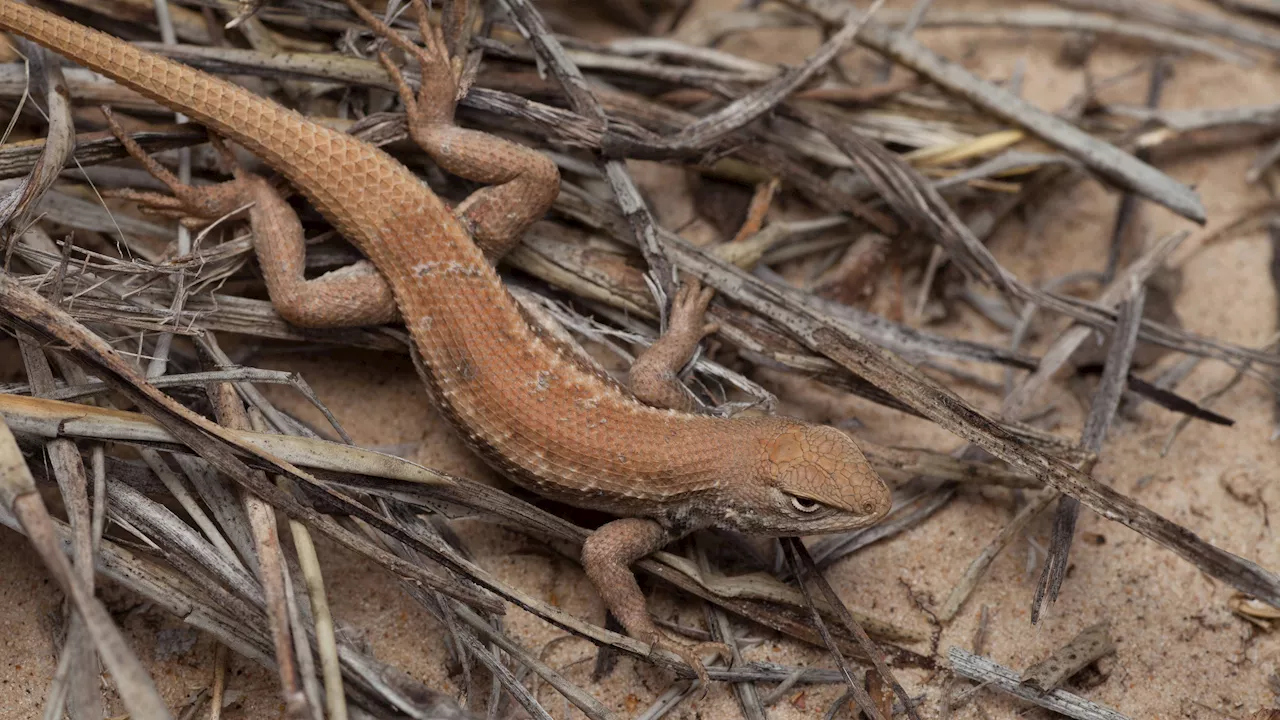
<point x="466" y="370"/>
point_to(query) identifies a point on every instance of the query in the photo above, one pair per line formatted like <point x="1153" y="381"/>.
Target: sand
<point x="1181" y="653"/>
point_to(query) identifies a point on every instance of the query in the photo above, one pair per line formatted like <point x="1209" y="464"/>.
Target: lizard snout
<point x="824" y="465"/>
<point x="817" y="481"/>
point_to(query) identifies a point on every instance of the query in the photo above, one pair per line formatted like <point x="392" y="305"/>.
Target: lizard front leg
<point x="353" y="296"/>
<point x="523" y="183"/>
<point x="654" y="376"/>
<point x="607" y="556"/>
<point x="654" y="379"/>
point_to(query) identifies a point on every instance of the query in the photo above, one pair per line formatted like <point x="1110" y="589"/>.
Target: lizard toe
<point x="692" y="656"/>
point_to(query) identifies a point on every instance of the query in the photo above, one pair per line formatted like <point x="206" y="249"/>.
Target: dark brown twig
<point x="804" y="572"/>
<point x="1101" y="412"/>
<point x="1128" y="201"/>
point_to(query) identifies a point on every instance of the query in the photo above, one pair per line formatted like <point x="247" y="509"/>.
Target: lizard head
<point x="807" y="479"/>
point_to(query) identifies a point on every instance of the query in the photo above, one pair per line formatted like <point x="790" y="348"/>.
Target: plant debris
<point x="844" y="210"/>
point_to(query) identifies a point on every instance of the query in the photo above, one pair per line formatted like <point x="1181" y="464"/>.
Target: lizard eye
<point x="805" y="506"/>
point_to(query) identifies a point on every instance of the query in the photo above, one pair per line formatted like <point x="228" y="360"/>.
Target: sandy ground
<point x="1181" y="653"/>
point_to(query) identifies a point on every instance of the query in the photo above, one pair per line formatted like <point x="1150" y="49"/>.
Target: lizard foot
<point x="193" y="205"/>
<point x="438" y="93"/>
<point x="692" y="655"/>
<point x="689" y="310"/>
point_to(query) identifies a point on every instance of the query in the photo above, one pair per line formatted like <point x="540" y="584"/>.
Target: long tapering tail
<point x="303" y="151"/>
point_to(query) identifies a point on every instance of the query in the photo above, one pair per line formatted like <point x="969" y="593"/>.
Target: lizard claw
<point x="193" y="206"/>
<point x="692" y="656"/>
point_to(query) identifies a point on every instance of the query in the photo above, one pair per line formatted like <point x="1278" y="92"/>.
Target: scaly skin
<point x="530" y="408"/>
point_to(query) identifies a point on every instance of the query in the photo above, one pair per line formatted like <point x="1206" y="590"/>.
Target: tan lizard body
<point x="531" y="409"/>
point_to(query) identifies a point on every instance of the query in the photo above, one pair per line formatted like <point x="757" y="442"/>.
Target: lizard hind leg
<point x="522" y="182"/>
<point x="349" y="297"/>
<point x="607" y="556"/>
<point x="437" y="95"/>
<point x="193" y="204"/>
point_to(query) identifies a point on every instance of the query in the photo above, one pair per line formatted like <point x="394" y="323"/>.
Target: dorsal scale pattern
<point x="527" y="405"/>
<point x="519" y="401"/>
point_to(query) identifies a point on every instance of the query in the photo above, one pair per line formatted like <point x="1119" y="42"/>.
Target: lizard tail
<point x="282" y="137"/>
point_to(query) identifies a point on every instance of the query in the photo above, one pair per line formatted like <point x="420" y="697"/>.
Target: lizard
<point x="516" y="394"/>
